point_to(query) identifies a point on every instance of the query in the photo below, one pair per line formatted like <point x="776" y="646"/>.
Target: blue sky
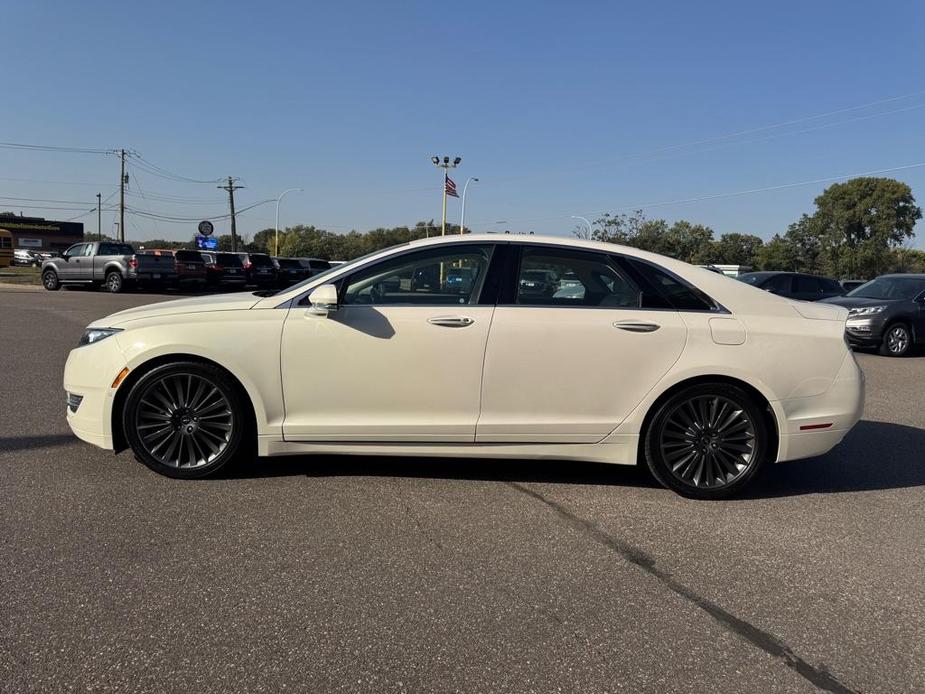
<point x="558" y="108"/>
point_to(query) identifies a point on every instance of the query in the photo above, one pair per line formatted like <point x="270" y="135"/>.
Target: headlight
<point x="92" y="335"/>
<point x="866" y="310"/>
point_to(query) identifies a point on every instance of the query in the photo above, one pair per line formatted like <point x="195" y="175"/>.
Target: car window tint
<point x="229" y="260"/>
<point x="76" y="249"/>
<point x="319" y="264"/>
<point x="552" y="277"/>
<point x="663" y="290"/>
<point x="778" y="283"/>
<point x="441" y="276"/>
<point x="803" y="284"/>
<point x="188" y="256"/>
<point x="261" y="260"/>
<point x="116" y="249"/>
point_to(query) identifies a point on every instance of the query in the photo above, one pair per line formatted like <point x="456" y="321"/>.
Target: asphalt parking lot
<point x="392" y="575"/>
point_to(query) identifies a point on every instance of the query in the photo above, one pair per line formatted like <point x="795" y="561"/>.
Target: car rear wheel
<point x="897" y="341"/>
<point x="114" y="283"/>
<point x="186" y="420"/>
<point x="50" y="280"/>
<point x="707" y="441"/>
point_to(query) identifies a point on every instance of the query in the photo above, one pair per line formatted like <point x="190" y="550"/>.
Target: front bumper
<point x="814" y="425"/>
<point x="865" y="331"/>
<point x="88" y="375"/>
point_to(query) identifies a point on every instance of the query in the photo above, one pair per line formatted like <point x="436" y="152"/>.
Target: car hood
<point x="857" y="301"/>
<point x="219" y="302"/>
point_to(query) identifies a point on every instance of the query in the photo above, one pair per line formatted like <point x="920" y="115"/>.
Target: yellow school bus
<point x="6" y="248"/>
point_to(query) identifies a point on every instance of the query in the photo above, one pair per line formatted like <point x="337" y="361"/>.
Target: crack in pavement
<point x="767" y="642"/>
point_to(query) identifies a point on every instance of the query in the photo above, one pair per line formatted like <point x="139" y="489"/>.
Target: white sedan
<point x="618" y="356"/>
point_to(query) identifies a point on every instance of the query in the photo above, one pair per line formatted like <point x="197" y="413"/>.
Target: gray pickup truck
<point x="107" y="263"/>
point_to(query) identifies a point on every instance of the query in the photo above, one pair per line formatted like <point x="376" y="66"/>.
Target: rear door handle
<point x="451" y="321"/>
<point x="635" y="326"/>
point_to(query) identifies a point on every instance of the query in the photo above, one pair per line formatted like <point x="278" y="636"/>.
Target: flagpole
<point x="446" y="175"/>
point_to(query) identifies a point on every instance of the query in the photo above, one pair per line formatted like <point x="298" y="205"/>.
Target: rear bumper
<point x="813" y="426"/>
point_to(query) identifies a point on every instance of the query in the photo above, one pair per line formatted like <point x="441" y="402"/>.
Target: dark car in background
<point x="887" y="313"/>
<point x="314" y="266"/>
<point x="191" y="269"/>
<point x="794" y="285"/>
<point x="258" y="269"/>
<point x="851" y="285"/>
<point x="224" y="269"/>
<point x="289" y="271"/>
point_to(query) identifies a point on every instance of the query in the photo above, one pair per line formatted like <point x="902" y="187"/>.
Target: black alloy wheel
<point x="50" y="280"/>
<point x="707" y="441"/>
<point x="186" y="420"/>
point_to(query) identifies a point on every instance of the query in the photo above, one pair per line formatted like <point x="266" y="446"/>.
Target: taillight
<point x="133" y="263"/>
<point x="248" y="265"/>
<point x="217" y="267"/>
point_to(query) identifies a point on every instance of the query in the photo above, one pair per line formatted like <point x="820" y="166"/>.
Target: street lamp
<point x="575" y="216"/>
<point x="462" y="221"/>
<point x="446" y="165"/>
<point x="288" y="190"/>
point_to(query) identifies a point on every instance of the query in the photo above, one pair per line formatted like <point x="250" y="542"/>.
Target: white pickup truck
<point x="107" y="263"/>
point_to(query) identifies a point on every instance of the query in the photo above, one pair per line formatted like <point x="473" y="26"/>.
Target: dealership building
<point x="36" y="233"/>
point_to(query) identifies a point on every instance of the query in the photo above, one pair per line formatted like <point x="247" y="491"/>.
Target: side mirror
<point x="323" y="300"/>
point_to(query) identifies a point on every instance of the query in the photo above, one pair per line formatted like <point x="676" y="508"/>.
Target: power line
<point x="156" y="170"/>
<point x="53" y="148"/>
<point x="213" y="218"/>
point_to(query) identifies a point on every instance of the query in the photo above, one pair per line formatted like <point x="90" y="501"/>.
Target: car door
<point x="400" y="359"/>
<point x="570" y="357"/>
<point x="69" y="266"/>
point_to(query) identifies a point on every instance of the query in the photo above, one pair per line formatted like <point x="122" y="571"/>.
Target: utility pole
<point x="231" y="188"/>
<point x="99" y="217"/>
<point x="122" y="181"/>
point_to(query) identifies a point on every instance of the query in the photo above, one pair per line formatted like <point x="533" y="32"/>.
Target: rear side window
<point x="663" y="290"/>
<point x="289" y="263"/>
<point x="560" y="277"/>
<point x="778" y="283"/>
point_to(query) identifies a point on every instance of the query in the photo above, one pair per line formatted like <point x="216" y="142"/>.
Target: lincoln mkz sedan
<point x="616" y="356"/>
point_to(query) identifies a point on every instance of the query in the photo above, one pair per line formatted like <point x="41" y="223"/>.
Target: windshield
<point x="890" y="288"/>
<point x="329" y="271"/>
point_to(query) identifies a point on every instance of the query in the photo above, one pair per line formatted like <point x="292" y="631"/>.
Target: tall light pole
<point x="462" y="220"/>
<point x="288" y="190"/>
<point x="575" y="216"/>
<point x="446" y="165"/>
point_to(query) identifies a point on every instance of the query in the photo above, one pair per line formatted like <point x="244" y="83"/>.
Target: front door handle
<point x="451" y="321"/>
<point x="635" y="326"/>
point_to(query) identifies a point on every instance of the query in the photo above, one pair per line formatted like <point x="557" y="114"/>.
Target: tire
<point x="50" y="280"/>
<point x="114" y="282"/>
<point x="707" y="441"/>
<point x="187" y="420"/>
<point x="897" y="341"/>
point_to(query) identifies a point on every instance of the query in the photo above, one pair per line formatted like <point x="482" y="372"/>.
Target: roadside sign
<point x="207" y="243"/>
<point x="206" y="228"/>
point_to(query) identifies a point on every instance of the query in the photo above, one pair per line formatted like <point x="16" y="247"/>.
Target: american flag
<point x="451" y="188"/>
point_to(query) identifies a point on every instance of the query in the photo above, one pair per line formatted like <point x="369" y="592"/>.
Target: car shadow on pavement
<point x="874" y="456"/>
<point x="9" y="444"/>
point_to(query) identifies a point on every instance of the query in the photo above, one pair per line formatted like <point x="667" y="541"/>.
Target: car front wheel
<point x="707" y="441"/>
<point x="897" y="342"/>
<point x="186" y="420"/>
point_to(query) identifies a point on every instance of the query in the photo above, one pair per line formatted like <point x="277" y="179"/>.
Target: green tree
<point x="776" y="254"/>
<point x="736" y="249"/>
<point x="861" y="221"/>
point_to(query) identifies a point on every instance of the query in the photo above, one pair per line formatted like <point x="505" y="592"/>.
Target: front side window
<point x="439" y="276"/>
<point x="778" y="284"/>
<point x="75" y="250"/>
<point x="555" y="277"/>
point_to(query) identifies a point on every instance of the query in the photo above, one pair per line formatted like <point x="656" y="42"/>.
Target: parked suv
<point x="191" y="269"/>
<point x="314" y="266"/>
<point x="258" y="269"/>
<point x="794" y="285"/>
<point x="224" y="269"/>
<point x="887" y="312"/>
<point x="289" y="271"/>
